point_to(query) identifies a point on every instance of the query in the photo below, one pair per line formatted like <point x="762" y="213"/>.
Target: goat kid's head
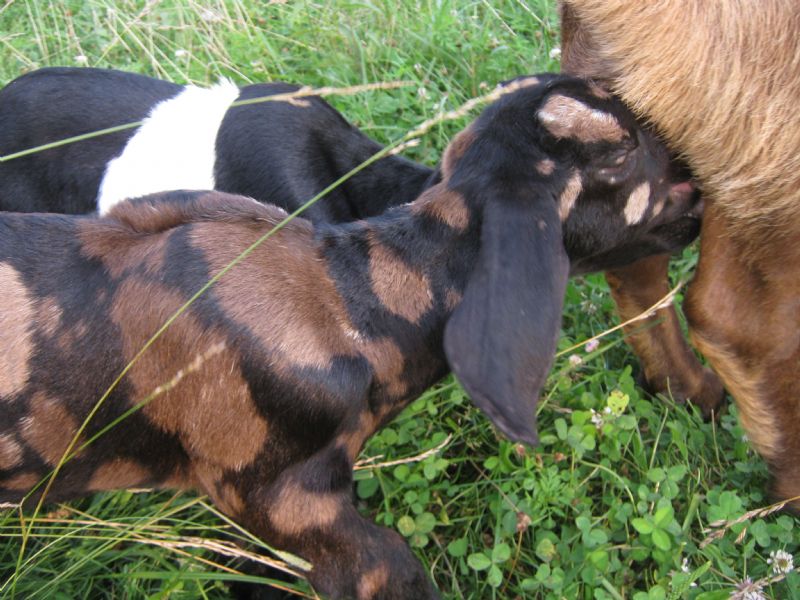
<point x="563" y="180"/>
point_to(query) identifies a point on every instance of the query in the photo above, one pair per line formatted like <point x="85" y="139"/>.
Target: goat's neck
<point x="403" y="273"/>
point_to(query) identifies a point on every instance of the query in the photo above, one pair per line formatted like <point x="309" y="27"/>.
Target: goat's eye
<point x="615" y="159"/>
<point x="615" y="166"/>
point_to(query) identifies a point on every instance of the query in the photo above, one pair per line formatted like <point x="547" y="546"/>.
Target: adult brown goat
<point x="323" y="334"/>
<point x="721" y="81"/>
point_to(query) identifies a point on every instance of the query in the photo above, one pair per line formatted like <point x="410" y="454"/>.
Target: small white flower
<point x="180" y="53"/>
<point x="418" y="67"/>
<point x="782" y="562"/>
<point x="422" y="93"/>
<point x="555" y="53"/>
<point x="686" y="569"/>
<point x="81" y="59"/>
<point x="597" y="418"/>
<point x="575" y="360"/>
<point x="748" y="590"/>
<point x="591" y="345"/>
<point x="588" y="307"/>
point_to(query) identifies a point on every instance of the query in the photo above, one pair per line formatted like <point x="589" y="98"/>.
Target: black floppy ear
<point x="501" y="339"/>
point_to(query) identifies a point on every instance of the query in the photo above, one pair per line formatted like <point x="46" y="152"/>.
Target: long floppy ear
<point x="500" y="341"/>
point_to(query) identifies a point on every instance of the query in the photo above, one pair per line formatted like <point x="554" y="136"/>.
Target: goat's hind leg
<point x="742" y="309"/>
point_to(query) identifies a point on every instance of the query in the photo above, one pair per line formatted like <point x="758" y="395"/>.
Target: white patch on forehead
<point x="569" y="195"/>
<point x="566" y="117"/>
<point x="637" y="203"/>
<point x="173" y="149"/>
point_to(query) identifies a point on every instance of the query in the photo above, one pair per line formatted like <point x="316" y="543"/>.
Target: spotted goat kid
<point x="282" y="370"/>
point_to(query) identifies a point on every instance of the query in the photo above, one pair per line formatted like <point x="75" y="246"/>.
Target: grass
<point x="611" y="510"/>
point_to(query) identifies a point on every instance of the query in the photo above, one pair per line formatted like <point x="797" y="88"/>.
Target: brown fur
<point x="14" y="331"/>
<point x="565" y="117"/>
<point x="48" y="428"/>
<point x="372" y="582"/>
<point x="388" y="361"/>
<point x="744" y="320"/>
<point x="294" y="510"/>
<point x="221" y="402"/>
<point x="669" y="365"/>
<point x="451" y="210"/>
<point x="402" y="290"/>
<point x="10" y="452"/>
<point x="116" y="474"/>
<point x="456" y="149"/>
<point x="566" y="202"/>
<point x="721" y="81"/>
<point x="298" y="330"/>
<point x="21" y="482"/>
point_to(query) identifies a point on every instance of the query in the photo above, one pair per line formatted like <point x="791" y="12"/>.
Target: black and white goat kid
<point x="275" y="152"/>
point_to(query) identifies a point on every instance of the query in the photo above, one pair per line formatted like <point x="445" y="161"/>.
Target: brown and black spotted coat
<point x="273" y="379"/>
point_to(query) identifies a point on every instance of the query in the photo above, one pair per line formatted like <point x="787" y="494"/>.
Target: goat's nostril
<point x="683" y="195"/>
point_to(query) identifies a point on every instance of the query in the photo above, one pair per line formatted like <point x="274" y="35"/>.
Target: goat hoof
<point x="709" y="396"/>
<point x="704" y="390"/>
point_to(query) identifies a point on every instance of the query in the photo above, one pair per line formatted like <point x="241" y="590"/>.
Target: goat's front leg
<point x="308" y="511"/>
<point x="668" y="363"/>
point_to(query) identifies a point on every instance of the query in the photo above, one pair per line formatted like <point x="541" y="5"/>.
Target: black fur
<point x="275" y="152"/>
<point x="470" y="277"/>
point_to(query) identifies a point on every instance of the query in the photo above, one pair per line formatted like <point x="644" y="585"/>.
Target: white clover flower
<point x="597" y="418"/>
<point x="422" y="93"/>
<point x="575" y="360"/>
<point x="686" y="569"/>
<point x="748" y="590"/>
<point x="82" y="59"/>
<point x="555" y="53"/>
<point x="591" y="345"/>
<point x="782" y="562"/>
<point x="588" y="307"/>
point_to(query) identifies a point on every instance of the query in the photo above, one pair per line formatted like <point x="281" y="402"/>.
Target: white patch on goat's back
<point x="637" y="203"/>
<point x="173" y="149"/>
<point x="570" y="194"/>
